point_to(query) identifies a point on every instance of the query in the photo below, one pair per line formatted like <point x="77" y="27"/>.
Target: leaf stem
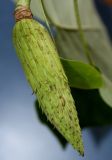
<point x="82" y="36"/>
<point x="46" y="20"/>
<point x="25" y="3"/>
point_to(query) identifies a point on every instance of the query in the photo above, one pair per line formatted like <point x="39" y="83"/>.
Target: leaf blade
<point x="106" y="91"/>
<point x="81" y="75"/>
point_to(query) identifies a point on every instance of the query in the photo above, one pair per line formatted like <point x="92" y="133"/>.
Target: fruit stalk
<point x="25" y="3"/>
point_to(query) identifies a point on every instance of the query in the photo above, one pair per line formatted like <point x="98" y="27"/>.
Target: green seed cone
<point x="46" y="76"/>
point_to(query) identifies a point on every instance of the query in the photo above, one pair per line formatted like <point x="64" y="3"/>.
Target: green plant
<point x="82" y="61"/>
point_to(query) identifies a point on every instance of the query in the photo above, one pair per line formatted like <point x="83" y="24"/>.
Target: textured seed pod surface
<point x="46" y="76"/>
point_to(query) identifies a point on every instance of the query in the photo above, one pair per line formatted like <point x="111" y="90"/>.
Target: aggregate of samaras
<point x="46" y="76"/>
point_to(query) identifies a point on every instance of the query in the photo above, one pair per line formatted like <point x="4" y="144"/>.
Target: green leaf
<point x="66" y="18"/>
<point x="81" y="75"/>
<point x="70" y="47"/>
<point x="106" y="91"/>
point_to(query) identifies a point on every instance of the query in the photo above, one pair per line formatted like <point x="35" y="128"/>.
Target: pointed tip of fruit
<point x="80" y="149"/>
<point x="81" y="153"/>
